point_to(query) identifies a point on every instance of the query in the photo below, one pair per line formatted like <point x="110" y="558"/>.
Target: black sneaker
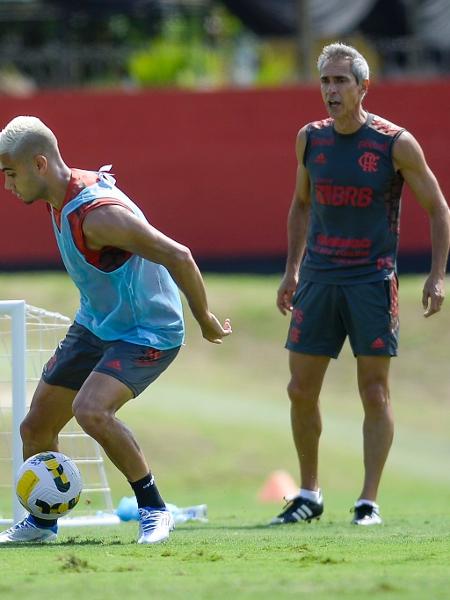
<point x="366" y="514"/>
<point x="299" y="509"/>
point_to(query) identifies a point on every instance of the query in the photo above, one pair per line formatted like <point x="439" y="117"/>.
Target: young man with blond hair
<point x="129" y="326"/>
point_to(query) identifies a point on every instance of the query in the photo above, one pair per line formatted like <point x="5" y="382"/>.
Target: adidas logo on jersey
<point x="321" y="159"/>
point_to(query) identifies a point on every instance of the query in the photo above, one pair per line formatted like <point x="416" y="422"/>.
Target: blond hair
<point x="27" y="135"/>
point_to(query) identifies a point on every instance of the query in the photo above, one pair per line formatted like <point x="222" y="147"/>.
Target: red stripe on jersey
<point x="78" y="181"/>
<point x="107" y="258"/>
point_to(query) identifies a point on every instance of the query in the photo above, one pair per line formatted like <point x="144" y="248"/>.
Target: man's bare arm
<point x="118" y="227"/>
<point x="297" y="229"/>
<point x="409" y="159"/>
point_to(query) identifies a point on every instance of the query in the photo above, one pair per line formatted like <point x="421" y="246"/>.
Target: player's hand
<point x="212" y="329"/>
<point x="433" y="295"/>
<point x="286" y="292"/>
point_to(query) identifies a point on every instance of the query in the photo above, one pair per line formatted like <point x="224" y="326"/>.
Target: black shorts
<point x="82" y="352"/>
<point x="324" y="315"/>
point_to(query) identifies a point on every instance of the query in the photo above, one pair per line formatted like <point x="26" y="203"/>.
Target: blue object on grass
<point x="127" y="510"/>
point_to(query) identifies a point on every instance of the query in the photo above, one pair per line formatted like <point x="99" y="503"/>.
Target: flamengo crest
<point x="369" y="162"/>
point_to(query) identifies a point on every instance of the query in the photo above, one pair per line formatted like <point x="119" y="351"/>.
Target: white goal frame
<point x="17" y="311"/>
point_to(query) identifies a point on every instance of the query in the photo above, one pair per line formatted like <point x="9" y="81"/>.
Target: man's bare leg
<point x="378" y="428"/>
<point x="50" y="410"/>
<point x="95" y="408"/>
<point x="307" y="373"/>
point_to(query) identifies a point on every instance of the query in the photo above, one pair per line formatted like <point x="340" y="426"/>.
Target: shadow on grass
<point x="63" y="543"/>
<point x="200" y="528"/>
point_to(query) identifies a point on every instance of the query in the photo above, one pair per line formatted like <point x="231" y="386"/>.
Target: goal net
<point x="28" y="338"/>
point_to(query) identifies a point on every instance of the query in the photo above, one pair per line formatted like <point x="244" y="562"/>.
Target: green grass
<point x="223" y="559"/>
<point x="216" y="425"/>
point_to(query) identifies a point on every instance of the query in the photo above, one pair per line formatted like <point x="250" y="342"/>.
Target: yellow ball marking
<point x="26" y="485"/>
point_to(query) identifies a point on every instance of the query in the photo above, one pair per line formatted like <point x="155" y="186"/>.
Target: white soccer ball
<point x="49" y="485"/>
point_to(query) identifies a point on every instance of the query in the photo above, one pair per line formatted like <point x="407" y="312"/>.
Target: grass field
<point x="216" y="425"/>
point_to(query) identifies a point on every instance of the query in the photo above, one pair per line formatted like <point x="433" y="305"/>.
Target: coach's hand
<point x="286" y="292"/>
<point x="433" y="295"/>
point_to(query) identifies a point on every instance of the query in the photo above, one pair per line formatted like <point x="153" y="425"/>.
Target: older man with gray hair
<point x="340" y="278"/>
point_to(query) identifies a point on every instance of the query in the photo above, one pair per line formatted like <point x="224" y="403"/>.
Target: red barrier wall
<point x="214" y="170"/>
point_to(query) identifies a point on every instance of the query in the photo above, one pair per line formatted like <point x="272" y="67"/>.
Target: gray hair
<point x="25" y="135"/>
<point x="358" y="64"/>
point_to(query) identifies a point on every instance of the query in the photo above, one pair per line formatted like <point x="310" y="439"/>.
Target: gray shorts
<point x="82" y="352"/>
<point x="324" y="315"/>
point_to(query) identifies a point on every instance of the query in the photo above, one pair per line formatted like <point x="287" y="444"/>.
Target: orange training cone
<point x="277" y="485"/>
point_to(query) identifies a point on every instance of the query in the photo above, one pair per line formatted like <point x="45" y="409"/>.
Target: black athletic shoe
<point x="299" y="509"/>
<point x="366" y="514"/>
